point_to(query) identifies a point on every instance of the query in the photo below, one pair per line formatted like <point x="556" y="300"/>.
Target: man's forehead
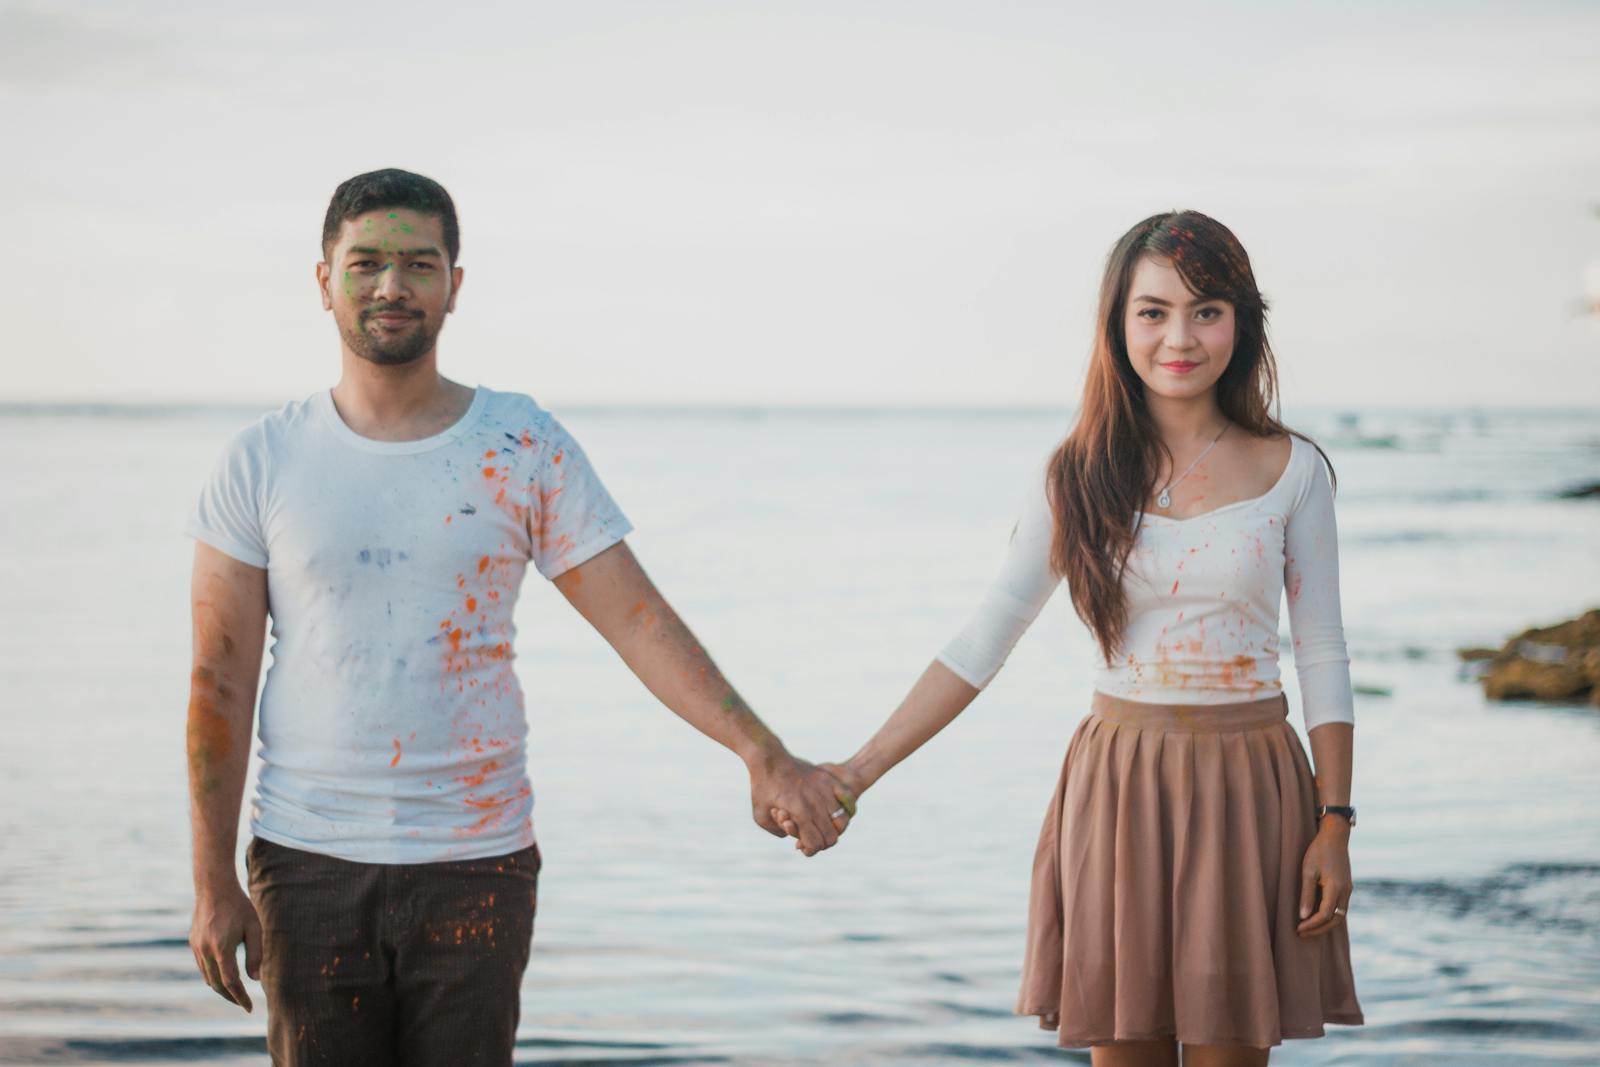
<point x="387" y="224"/>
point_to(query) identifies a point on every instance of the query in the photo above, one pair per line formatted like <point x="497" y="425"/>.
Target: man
<point x="386" y="524"/>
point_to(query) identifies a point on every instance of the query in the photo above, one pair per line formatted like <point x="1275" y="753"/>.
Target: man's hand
<point x="222" y="919"/>
<point x="807" y="795"/>
<point x="845" y="787"/>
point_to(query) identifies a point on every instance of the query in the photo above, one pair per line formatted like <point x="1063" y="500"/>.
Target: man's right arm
<point x="228" y="600"/>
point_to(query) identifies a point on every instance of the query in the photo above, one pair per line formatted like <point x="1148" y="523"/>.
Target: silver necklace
<point x="1165" y="499"/>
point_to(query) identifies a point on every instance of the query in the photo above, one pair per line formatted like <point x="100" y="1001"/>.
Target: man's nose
<point x="391" y="285"/>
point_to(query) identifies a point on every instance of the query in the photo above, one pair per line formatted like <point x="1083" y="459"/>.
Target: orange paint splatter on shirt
<point x="472" y="603"/>
<point x="489" y="472"/>
<point x="396" y="761"/>
<point x="482" y="776"/>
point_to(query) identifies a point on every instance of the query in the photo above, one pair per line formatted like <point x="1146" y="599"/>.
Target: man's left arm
<point x="618" y="599"/>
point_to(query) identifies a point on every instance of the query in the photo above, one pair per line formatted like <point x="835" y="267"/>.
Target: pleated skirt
<point x="1167" y="880"/>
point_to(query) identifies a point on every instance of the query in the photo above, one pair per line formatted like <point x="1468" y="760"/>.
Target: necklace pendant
<point x="1164" y="500"/>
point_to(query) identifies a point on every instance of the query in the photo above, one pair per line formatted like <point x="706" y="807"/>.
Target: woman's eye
<point x="1150" y="314"/>
<point x="1210" y="314"/>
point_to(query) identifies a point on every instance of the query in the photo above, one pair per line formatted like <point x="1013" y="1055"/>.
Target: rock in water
<point x="1578" y="492"/>
<point x="1556" y="663"/>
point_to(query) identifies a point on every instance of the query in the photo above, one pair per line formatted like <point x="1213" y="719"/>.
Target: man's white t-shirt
<point x="392" y="727"/>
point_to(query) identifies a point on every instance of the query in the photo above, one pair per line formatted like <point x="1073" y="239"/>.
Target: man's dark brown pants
<point x="405" y="964"/>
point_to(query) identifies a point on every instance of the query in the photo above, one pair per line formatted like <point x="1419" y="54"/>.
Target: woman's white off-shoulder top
<point x="1203" y="596"/>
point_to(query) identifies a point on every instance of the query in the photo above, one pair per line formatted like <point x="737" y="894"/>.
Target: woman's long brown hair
<point x="1101" y="476"/>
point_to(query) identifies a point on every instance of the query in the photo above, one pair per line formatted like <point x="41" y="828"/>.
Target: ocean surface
<point x="823" y="558"/>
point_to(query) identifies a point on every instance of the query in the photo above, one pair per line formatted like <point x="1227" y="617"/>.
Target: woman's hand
<point x="1325" y="882"/>
<point x="848" y="787"/>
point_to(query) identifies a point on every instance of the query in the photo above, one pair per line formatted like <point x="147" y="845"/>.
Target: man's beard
<point x="390" y="351"/>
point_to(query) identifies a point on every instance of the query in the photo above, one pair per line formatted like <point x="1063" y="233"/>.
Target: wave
<point x="1547" y="897"/>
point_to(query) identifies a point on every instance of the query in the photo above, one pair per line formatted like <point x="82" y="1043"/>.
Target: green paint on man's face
<point x="349" y="286"/>
<point x="394" y="215"/>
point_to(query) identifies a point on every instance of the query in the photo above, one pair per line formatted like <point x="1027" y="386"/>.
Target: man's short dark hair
<point x="390" y="188"/>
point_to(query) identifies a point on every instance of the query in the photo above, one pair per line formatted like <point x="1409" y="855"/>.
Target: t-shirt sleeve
<point x="1015" y="598"/>
<point x="1311" y="584"/>
<point x="575" y="518"/>
<point x="228" y="515"/>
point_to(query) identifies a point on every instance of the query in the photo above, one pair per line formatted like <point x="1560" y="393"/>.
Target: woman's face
<point x="1179" y="345"/>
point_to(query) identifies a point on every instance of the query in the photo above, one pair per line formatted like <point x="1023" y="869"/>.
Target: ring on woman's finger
<point x="1338" y="911"/>
<point x="847" y="804"/>
<point x="838" y="813"/>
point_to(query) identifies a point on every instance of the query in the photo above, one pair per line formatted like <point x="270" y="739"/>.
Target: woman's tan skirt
<point x="1166" y="886"/>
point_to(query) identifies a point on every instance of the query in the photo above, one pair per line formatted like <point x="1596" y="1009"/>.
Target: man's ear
<point x="456" y="274"/>
<point x="324" y="276"/>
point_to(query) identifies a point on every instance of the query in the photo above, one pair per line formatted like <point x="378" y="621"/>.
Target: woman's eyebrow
<point x="1168" y="303"/>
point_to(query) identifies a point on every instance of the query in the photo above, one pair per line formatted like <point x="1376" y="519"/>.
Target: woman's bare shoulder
<point x="1270" y="455"/>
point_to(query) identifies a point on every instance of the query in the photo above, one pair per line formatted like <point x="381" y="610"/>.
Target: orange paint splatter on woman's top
<point x="396" y="761"/>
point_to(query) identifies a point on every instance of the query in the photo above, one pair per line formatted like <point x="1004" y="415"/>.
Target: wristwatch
<point x="1336" y="809"/>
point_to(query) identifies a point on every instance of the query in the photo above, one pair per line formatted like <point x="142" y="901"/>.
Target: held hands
<point x="222" y="919"/>
<point x="813" y="804"/>
<point x="1325" y="882"/>
<point x="847" y="786"/>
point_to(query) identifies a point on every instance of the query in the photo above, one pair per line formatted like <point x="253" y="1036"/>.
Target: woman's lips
<point x="1179" y="366"/>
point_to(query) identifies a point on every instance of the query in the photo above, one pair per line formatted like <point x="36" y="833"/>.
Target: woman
<point x="1191" y="878"/>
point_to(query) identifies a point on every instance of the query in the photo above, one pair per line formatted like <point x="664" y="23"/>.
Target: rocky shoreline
<point x="1554" y="663"/>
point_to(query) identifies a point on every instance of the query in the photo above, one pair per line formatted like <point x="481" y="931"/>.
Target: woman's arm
<point x="968" y="663"/>
<point x="933" y="703"/>
<point x="1322" y="662"/>
<point x="1325" y="880"/>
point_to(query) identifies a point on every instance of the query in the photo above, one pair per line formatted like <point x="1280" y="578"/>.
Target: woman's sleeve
<point x="1019" y="593"/>
<point x="1311" y="583"/>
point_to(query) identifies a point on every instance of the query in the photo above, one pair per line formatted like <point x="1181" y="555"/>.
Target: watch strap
<point x="1349" y="813"/>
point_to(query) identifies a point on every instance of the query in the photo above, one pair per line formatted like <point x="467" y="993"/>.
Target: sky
<point x="869" y="203"/>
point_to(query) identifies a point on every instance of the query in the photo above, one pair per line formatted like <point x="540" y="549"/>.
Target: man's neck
<point x="402" y="403"/>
